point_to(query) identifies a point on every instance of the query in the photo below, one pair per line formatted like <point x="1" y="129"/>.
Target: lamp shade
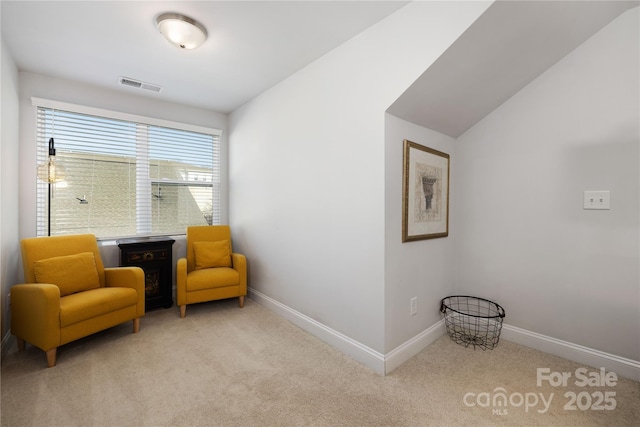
<point x="182" y="31"/>
<point x="51" y="172"/>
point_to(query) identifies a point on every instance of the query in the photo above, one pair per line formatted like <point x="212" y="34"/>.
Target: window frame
<point x="128" y="117"/>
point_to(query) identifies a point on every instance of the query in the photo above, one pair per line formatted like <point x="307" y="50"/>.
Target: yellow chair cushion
<point x="212" y="254"/>
<point x="71" y="273"/>
<point x="93" y="303"/>
<point x="212" y="278"/>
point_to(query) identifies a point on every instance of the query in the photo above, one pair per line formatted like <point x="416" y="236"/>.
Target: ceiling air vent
<point x="125" y="81"/>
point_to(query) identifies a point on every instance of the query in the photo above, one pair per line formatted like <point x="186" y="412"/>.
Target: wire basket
<point x="472" y="321"/>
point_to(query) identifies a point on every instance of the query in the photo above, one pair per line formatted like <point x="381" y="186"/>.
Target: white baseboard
<point x="378" y="362"/>
<point x="415" y="345"/>
<point x="7" y="342"/>
<point x="384" y="364"/>
<point x="349" y="346"/>
<point x="584" y="355"/>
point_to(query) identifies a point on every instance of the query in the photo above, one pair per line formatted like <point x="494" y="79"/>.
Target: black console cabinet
<point x="154" y="256"/>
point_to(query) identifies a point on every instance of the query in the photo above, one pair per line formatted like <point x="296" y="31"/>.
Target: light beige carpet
<point x="225" y="366"/>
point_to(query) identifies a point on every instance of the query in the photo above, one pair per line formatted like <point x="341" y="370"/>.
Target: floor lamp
<point x="50" y="172"/>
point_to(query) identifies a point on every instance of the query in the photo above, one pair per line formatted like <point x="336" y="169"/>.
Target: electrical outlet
<point x="414" y="306"/>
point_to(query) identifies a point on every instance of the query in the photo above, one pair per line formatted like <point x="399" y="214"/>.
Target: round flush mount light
<point x="180" y="30"/>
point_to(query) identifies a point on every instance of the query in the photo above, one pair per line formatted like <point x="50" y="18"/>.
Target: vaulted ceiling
<point x="253" y="45"/>
<point x="510" y="45"/>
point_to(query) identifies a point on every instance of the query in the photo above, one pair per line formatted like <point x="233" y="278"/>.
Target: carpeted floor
<point x="225" y="366"/>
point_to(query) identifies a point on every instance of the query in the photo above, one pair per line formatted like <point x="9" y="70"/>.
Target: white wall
<point x="307" y="170"/>
<point x="47" y="87"/>
<point x="522" y="236"/>
<point x="423" y="268"/>
<point x="9" y="213"/>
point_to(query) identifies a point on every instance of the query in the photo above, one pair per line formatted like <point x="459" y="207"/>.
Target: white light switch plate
<point x="597" y="200"/>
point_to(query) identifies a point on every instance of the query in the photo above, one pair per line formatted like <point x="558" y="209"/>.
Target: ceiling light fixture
<point x="180" y="30"/>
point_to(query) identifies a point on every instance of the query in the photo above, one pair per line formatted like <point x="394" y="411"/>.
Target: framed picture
<point x="425" y="193"/>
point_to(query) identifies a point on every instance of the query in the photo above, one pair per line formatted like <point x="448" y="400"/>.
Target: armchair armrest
<point x="181" y="282"/>
<point x="239" y="263"/>
<point x="127" y="277"/>
<point x="35" y="314"/>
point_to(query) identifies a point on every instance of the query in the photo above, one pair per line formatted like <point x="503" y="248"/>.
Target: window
<point x="126" y="178"/>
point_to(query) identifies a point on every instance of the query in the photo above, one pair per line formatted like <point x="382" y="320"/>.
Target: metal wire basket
<point x="472" y="320"/>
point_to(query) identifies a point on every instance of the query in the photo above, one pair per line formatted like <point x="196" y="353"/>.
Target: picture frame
<point x="425" y="193"/>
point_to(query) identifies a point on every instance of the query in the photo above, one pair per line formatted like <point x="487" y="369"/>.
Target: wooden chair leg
<point x="241" y="301"/>
<point x="183" y="311"/>
<point x="51" y="357"/>
<point x="20" y="344"/>
<point x="136" y="325"/>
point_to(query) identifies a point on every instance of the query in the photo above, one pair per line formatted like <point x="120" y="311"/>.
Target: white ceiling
<point x="510" y="45"/>
<point x="252" y="45"/>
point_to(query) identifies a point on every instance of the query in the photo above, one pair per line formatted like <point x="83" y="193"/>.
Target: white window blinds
<point x="126" y="178"/>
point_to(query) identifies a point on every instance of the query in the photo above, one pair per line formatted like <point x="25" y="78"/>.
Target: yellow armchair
<point x="210" y="271"/>
<point x="69" y="293"/>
